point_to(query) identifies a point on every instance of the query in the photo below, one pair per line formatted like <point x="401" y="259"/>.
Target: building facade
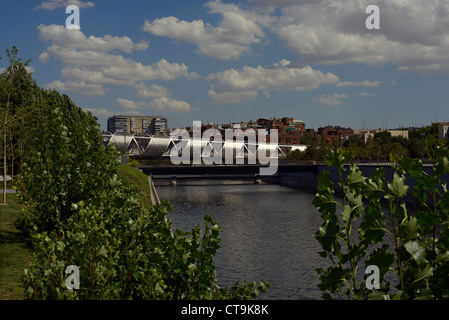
<point x="331" y="134"/>
<point x="290" y="131"/>
<point x="158" y="126"/>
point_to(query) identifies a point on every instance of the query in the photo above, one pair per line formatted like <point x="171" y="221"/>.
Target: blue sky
<point x="227" y="61"/>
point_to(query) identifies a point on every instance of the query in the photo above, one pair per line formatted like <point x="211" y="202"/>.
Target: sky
<point x="229" y="61"/>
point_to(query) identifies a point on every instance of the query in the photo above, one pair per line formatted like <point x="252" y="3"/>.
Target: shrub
<point x="419" y="229"/>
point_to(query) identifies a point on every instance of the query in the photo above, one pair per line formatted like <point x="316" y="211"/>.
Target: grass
<point x="140" y="180"/>
<point x="13" y="252"/>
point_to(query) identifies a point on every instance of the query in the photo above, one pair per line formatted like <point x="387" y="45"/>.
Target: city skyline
<point x="230" y="61"/>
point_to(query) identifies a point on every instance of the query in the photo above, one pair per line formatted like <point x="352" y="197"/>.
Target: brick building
<point x="331" y="134"/>
<point x="290" y="131"/>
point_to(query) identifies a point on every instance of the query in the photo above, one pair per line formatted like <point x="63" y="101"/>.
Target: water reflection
<point x="267" y="233"/>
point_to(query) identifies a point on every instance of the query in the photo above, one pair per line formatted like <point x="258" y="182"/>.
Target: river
<point x="267" y="233"/>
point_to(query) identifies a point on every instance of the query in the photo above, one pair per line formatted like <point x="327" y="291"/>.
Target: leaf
<point x="373" y="189"/>
<point x="372" y="228"/>
<point x="355" y="176"/>
<point x="421" y="277"/>
<point x="324" y="181"/>
<point x="425" y="294"/>
<point x="444" y="205"/>
<point x="408" y="229"/>
<point x="60" y="245"/>
<point x="445" y="165"/>
<point x="327" y="235"/>
<point x="417" y="251"/>
<point x="324" y="201"/>
<point x="397" y="188"/>
<point x="191" y="268"/>
<point x="413" y="166"/>
<point x="102" y="252"/>
<point x="346" y="214"/>
<point x="80" y="237"/>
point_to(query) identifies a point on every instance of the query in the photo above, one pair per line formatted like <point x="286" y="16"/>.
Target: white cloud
<point x="79" y="88"/>
<point x="168" y="104"/>
<point x="129" y="104"/>
<point x="281" y="2"/>
<point x="162" y="104"/>
<point x="329" y="100"/>
<point x="101" y="112"/>
<point x="154" y="91"/>
<point x="161" y="100"/>
<point x="72" y="38"/>
<point x="366" y="94"/>
<point x="364" y="83"/>
<point x="54" y="4"/>
<point x="413" y="35"/>
<point x="233" y="86"/>
<point x="88" y="61"/>
<point x="233" y="37"/>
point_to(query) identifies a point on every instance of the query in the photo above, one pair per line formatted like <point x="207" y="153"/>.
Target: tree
<point x="294" y="155"/>
<point x="16" y="86"/>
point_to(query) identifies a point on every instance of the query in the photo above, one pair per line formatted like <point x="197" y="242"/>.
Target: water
<point x="267" y="233"/>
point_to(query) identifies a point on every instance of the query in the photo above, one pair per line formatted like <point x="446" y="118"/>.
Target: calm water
<point x="267" y="233"/>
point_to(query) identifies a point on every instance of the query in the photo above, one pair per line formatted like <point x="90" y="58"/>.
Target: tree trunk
<point x="5" y="147"/>
<point x="4" y="161"/>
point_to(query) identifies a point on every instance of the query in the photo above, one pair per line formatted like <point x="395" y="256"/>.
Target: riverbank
<point x="140" y="180"/>
<point x="14" y="254"/>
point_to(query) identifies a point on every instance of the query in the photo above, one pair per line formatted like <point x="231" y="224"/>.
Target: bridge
<point x="238" y="173"/>
<point x="156" y="147"/>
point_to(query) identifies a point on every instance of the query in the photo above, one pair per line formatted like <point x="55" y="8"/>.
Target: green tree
<point x="419" y="230"/>
<point x="16" y="87"/>
<point x="294" y="155"/>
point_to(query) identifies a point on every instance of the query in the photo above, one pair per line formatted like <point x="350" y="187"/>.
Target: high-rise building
<point x="137" y="124"/>
<point x="118" y="124"/>
<point x="158" y="126"/>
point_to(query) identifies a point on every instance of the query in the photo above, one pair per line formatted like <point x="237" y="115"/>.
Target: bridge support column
<point x="124" y="159"/>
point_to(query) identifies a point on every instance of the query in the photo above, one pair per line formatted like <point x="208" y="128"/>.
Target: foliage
<point x="16" y="97"/>
<point x="418" y="229"/>
<point x="377" y="146"/>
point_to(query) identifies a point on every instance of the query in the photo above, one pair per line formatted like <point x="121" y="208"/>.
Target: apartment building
<point x="330" y="134"/>
<point x="158" y="126"/>
<point x="290" y="130"/>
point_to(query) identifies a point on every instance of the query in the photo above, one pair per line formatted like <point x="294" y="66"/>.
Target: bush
<point x="419" y="229"/>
